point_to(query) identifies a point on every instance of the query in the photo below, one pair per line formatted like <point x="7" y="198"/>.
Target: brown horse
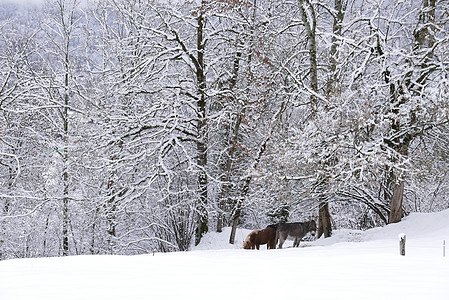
<point x="260" y="237"/>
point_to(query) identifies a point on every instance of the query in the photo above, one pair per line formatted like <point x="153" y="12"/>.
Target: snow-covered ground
<point x="350" y="265"/>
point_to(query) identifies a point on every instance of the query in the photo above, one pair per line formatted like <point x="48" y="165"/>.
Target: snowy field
<point x="350" y="265"/>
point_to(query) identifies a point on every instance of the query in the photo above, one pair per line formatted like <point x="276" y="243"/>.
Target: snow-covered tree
<point x="129" y="126"/>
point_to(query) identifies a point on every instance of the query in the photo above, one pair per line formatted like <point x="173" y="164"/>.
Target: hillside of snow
<point x="349" y="265"/>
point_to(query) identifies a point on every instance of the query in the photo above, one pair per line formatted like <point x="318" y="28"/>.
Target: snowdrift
<point x="350" y="265"/>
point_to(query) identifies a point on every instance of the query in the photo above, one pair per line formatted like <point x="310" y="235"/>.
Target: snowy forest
<point x="133" y="126"/>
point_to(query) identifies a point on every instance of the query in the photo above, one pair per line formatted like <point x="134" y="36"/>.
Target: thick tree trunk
<point x="396" y="203"/>
<point x="324" y="223"/>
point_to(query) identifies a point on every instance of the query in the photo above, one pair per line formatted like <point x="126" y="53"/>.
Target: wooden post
<point x="402" y="239"/>
<point x="444" y="248"/>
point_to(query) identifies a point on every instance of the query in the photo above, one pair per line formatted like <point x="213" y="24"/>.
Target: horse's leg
<point x="276" y="239"/>
<point x="257" y="246"/>
<point x="297" y="241"/>
<point x="281" y="240"/>
<point x="272" y="242"/>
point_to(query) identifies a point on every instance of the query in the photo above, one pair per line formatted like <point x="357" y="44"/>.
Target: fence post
<point x="444" y="248"/>
<point x="402" y="239"/>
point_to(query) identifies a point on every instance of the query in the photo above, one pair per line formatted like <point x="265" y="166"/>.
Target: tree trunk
<point x="310" y="26"/>
<point x="111" y="208"/>
<point x="324" y="223"/>
<point x="331" y="85"/>
<point x="65" y="216"/>
<point x="396" y="203"/>
<point x="65" y="156"/>
<point x="201" y="144"/>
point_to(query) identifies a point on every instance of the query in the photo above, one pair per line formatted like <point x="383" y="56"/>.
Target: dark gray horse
<point x="294" y="231"/>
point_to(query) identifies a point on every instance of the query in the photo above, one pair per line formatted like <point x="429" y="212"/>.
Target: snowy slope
<point x="350" y="265"/>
